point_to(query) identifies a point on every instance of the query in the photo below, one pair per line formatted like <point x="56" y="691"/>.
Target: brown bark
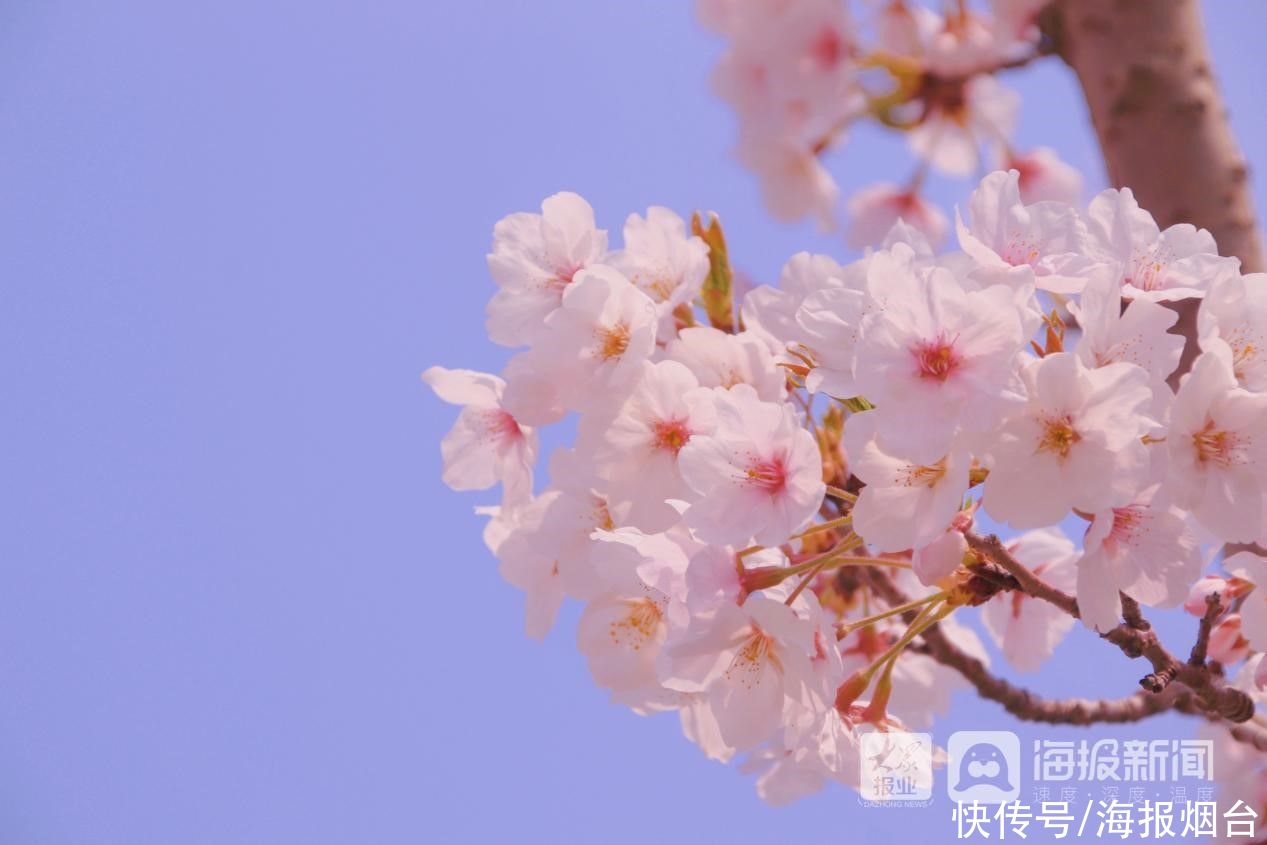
<point x="1146" y="72"/>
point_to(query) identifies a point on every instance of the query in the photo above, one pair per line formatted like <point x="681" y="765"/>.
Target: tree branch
<point x="1134" y="640"/>
<point x="1147" y="75"/>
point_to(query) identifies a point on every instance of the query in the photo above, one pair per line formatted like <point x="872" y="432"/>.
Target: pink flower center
<point x="500" y="425"/>
<point x="563" y="276"/>
<point x="936" y="359"/>
<point x="1127" y="525"/>
<point x="770" y="476"/>
<point x="670" y="435"/>
<point x="827" y="48"/>
<point x="1020" y="251"/>
<point x="1148" y="270"/>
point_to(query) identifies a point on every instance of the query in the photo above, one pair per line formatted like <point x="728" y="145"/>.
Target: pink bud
<point x="1260" y="674"/>
<point x="1226" y="643"/>
<point x="1195" y="603"/>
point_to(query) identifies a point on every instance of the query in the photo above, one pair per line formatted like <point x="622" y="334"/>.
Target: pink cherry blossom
<point x="939" y="558"/>
<point x="1074" y="444"/>
<point x="1235" y="313"/>
<point x="593" y="344"/>
<point x="1253" y="569"/>
<point x="939" y="354"/>
<point x="748" y="660"/>
<point x="758" y="475"/>
<point x="1027" y="629"/>
<point x="905" y="504"/>
<point x="1014" y="242"/>
<point x="1138" y="335"/>
<point x="1217" y="445"/>
<point x="534" y="258"/>
<point x="662" y="260"/>
<point x="829" y="322"/>
<point x="634" y="449"/>
<point x="486" y="444"/>
<point x="1147" y="552"/>
<point x="951" y="135"/>
<point x="874" y="209"/>
<point x="1178" y="263"/>
<point x="1043" y="176"/>
<point x="719" y="359"/>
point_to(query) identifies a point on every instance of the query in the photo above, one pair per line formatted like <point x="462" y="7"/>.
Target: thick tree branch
<point x="1147" y="75"/>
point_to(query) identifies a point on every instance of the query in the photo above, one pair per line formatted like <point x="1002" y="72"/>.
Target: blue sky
<point x="236" y="603"/>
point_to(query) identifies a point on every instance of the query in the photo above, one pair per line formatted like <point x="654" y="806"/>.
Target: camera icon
<point x="983" y="766"/>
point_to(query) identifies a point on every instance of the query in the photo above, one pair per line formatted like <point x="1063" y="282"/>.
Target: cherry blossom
<point x="594" y="342"/>
<point x="661" y="260"/>
<point x="758" y="475"/>
<point x="874" y="210"/>
<point x="1177" y="263"/>
<point x="634" y="449"/>
<point x="1138" y="334"/>
<point x="748" y="660"/>
<point x="486" y="444"/>
<point x="905" y="504"/>
<point x="772" y="490"/>
<point x="1019" y="243"/>
<point x="1043" y="176"/>
<point x="1026" y="629"/>
<point x="951" y="135"/>
<point x="939" y="354"/>
<point x="1217" y="444"/>
<point x="534" y="258"/>
<point x="719" y="359"/>
<point x="1235" y="313"/>
<point x="1075" y="443"/>
<point x="1252" y="569"/>
<point x="1147" y="552"/>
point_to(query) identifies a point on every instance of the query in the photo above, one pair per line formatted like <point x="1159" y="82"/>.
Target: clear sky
<point x="236" y="603"/>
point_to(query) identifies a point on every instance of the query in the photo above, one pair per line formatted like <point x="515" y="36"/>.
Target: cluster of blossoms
<point x="799" y="73"/>
<point x="767" y="507"/>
